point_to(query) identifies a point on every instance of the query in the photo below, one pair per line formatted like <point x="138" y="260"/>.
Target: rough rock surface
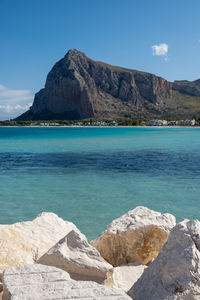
<point x="1" y="284"/>
<point x="175" y="273"/>
<point x="24" y="242"/>
<point x="32" y="282"/>
<point x="187" y="87"/>
<point x="75" y="255"/>
<point x="78" y="87"/>
<point x="137" y="236"/>
<point x="124" y="277"/>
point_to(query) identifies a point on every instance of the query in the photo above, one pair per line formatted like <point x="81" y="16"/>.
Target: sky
<point x="160" y="37"/>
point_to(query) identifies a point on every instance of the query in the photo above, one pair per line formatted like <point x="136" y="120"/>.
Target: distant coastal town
<point x="101" y="123"/>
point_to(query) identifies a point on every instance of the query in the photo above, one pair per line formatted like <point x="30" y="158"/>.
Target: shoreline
<point x="76" y="126"/>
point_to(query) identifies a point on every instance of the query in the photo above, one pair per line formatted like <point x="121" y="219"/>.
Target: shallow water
<point x="92" y="175"/>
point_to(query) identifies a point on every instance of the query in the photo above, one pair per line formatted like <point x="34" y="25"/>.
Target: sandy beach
<point x="74" y="126"/>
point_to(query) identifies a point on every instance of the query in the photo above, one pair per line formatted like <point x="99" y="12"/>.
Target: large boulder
<point x="175" y="273"/>
<point x="137" y="236"/>
<point x="123" y="277"/>
<point x="75" y="255"/>
<point x="24" y="242"/>
<point x="31" y="282"/>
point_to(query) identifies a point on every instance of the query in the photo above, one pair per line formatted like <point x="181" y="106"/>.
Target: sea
<point x="90" y="176"/>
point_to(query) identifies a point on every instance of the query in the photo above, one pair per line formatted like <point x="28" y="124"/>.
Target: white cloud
<point x="161" y="49"/>
<point x="13" y="102"/>
<point x="14" y="96"/>
<point x="14" y="108"/>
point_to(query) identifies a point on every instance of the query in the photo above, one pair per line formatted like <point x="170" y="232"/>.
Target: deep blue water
<point x="91" y="175"/>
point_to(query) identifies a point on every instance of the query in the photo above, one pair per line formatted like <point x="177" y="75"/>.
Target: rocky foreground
<point x="142" y="255"/>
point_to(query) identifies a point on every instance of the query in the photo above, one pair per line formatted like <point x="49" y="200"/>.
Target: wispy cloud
<point x="13" y="102"/>
<point x="160" y="50"/>
<point x="14" y="96"/>
<point x="14" y="108"/>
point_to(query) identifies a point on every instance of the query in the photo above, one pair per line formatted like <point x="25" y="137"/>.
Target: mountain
<point x="78" y="87"/>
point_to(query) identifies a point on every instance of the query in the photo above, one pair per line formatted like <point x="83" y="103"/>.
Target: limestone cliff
<point x="78" y="88"/>
<point x="191" y="88"/>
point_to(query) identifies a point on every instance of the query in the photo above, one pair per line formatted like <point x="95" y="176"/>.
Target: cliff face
<point x="78" y="87"/>
<point x="191" y="88"/>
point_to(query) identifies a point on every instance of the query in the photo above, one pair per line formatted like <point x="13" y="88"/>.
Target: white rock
<point x="75" y="255"/>
<point x="137" y="236"/>
<point x="39" y="282"/>
<point x="124" y="277"/>
<point x="24" y="242"/>
<point x="175" y="273"/>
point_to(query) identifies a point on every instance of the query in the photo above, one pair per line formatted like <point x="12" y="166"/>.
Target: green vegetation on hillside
<point x="182" y="106"/>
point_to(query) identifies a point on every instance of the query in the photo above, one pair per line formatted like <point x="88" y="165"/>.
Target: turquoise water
<point x="92" y="175"/>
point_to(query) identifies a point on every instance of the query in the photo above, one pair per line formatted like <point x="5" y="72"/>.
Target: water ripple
<point x="153" y="162"/>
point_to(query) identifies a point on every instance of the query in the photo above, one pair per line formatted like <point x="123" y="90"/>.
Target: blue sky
<point x="35" y="34"/>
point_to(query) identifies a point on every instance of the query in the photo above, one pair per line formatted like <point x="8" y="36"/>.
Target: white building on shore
<point x="171" y="123"/>
<point x="189" y="122"/>
<point x="157" y="123"/>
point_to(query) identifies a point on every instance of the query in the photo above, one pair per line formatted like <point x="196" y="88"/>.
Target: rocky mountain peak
<point x="78" y="87"/>
<point x="74" y="53"/>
